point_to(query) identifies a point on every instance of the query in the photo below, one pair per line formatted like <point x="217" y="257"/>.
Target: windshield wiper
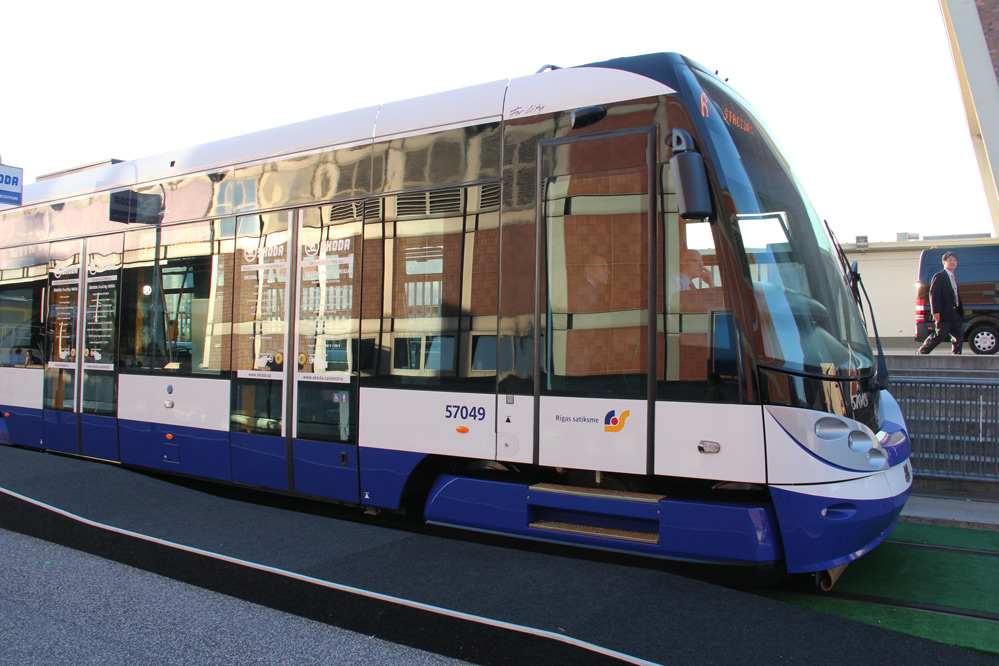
<point x="856" y="286"/>
<point x="849" y="271"/>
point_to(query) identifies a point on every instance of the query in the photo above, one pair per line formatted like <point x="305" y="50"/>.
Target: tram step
<point x="597" y="492"/>
<point x="591" y="530"/>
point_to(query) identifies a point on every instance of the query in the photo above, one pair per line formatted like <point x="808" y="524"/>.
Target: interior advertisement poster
<point x="99" y="337"/>
<point x="258" y="347"/>
<point x="326" y="271"/>
<point x="64" y="286"/>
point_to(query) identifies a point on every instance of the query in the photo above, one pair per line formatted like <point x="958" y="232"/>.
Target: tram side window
<point x="427" y="275"/>
<point x="597" y="283"/>
<point x="699" y="360"/>
<point x="21" y="333"/>
<point x="176" y="300"/>
<point x="444" y="273"/>
<point x="23" y="279"/>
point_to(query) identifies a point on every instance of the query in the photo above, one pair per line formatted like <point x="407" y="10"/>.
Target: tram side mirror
<point x="690" y="178"/>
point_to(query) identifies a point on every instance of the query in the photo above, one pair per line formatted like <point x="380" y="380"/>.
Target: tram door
<point x="327" y="351"/>
<point x="61" y="387"/>
<point x="258" y="427"/>
<point x="99" y="357"/>
<point x="80" y="394"/>
<point x="595" y="238"/>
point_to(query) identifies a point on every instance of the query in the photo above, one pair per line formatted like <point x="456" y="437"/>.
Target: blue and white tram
<point x="588" y="306"/>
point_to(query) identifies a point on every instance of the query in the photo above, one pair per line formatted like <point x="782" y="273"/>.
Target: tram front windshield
<point x="808" y="320"/>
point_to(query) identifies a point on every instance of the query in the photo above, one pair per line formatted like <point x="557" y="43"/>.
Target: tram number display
<point x="463" y="413"/>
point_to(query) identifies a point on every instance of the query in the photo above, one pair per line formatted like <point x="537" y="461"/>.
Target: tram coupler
<point x="825" y="580"/>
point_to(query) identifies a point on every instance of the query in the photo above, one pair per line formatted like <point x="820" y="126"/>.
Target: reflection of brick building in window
<point x="330" y="294"/>
<point x="328" y="291"/>
<point x="427" y="274"/>
<point x="485" y="273"/>
<point x="606" y="254"/>
<point x="695" y="352"/>
<point x="335" y="301"/>
<point x="259" y="323"/>
<point x="372" y="266"/>
<point x="444" y="272"/>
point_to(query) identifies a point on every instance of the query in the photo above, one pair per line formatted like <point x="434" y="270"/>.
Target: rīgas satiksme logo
<point x="614" y="423"/>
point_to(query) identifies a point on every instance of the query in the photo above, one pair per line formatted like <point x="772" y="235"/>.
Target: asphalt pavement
<point x="62" y="606"/>
<point x="473" y="601"/>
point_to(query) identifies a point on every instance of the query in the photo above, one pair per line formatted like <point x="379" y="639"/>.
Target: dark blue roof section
<point x="659" y="67"/>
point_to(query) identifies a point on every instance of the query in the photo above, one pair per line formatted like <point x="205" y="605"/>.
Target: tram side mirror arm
<point x="855" y="280"/>
<point x="690" y="178"/>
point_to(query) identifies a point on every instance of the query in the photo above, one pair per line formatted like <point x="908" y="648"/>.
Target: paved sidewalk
<point x="980" y="514"/>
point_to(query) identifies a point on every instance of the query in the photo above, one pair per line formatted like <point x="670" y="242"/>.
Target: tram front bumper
<point x="824" y="526"/>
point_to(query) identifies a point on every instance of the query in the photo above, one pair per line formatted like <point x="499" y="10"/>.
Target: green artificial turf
<point x="956" y="580"/>
<point x="980" y="635"/>
<point x="946" y="536"/>
<point x="967" y="581"/>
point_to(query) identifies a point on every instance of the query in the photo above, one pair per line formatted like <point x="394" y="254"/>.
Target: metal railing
<point x="953" y="426"/>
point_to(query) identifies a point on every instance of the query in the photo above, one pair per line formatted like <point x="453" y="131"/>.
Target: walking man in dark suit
<point x="945" y="302"/>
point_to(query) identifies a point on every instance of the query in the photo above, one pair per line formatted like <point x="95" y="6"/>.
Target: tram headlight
<point x="877" y="459"/>
<point x="835" y="439"/>
<point x="831" y="429"/>
<point x="860" y="442"/>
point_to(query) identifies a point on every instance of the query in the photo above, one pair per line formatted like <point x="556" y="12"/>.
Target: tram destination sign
<point x="11" y="180"/>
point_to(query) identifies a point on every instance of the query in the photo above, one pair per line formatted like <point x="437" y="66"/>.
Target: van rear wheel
<point x="984" y="339"/>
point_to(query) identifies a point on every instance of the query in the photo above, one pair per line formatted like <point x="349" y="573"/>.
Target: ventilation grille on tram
<point x="357" y="210"/>
<point x="489" y="197"/>
<point x="433" y="202"/>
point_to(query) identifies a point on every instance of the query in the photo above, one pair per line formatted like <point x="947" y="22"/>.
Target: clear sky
<point x="861" y="94"/>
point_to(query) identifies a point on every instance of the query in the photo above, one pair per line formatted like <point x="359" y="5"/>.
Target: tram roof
<point x="547" y="91"/>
